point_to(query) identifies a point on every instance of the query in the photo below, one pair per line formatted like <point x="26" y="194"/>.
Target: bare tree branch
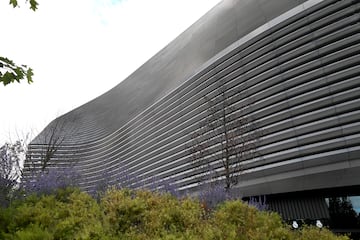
<point x="41" y="154"/>
<point x="225" y="138"/>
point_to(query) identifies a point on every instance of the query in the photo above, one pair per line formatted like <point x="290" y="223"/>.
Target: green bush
<point x="67" y="214"/>
<point x="314" y="233"/>
<point x="146" y="215"/>
<point x="237" y="220"/>
<point x="142" y="215"/>
<point x="32" y="232"/>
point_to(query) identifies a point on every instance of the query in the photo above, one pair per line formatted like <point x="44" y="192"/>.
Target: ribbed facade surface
<point x="290" y="66"/>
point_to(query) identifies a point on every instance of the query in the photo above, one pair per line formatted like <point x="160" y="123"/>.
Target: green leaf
<point x="7" y="78"/>
<point x="12" y="72"/>
<point x="33" y="5"/>
<point x="6" y="60"/>
<point x="14" y="3"/>
<point x="29" y="75"/>
<point x="19" y="73"/>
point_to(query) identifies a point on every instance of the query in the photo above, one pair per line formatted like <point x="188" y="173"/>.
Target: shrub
<point x="122" y="210"/>
<point x="238" y="220"/>
<point x="32" y="232"/>
<point x="149" y="214"/>
<point x="314" y="233"/>
<point x="140" y="215"/>
<point x="66" y="214"/>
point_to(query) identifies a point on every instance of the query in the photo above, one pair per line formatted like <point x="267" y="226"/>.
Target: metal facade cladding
<point x="290" y="65"/>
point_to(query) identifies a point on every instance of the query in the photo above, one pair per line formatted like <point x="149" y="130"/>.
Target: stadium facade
<point x="291" y="66"/>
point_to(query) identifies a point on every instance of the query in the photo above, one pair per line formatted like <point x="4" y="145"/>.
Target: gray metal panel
<point x="300" y="208"/>
<point x="300" y="72"/>
<point x="173" y="65"/>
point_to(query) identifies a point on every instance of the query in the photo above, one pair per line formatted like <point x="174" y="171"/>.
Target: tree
<point x="9" y="71"/>
<point x="224" y="138"/>
<point x="342" y="213"/>
<point x="11" y="157"/>
<point x="42" y="170"/>
<point x="41" y="153"/>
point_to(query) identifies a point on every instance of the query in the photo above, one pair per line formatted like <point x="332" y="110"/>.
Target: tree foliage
<point x="11" y="156"/>
<point x="11" y="72"/>
<point x="129" y="214"/>
<point x="342" y="213"/>
<point x="33" y="4"/>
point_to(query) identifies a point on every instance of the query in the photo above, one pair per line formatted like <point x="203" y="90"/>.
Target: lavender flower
<point x="45" y="182"/>
<point x="259" y="203"/>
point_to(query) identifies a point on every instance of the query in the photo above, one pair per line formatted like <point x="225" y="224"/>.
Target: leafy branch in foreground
<point x="11" y="72"/>
<point x="33" y="4"/>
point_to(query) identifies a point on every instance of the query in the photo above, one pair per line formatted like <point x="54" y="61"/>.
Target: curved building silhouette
<point x="291" y="66"/>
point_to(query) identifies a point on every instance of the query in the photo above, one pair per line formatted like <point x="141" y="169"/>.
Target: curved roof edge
<point x="218" y="30"/>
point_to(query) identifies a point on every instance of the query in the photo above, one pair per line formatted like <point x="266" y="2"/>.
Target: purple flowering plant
<point x="48" y="181"/>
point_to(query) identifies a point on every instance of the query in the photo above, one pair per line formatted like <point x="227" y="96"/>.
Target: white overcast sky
<point x="79" y="49"/>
